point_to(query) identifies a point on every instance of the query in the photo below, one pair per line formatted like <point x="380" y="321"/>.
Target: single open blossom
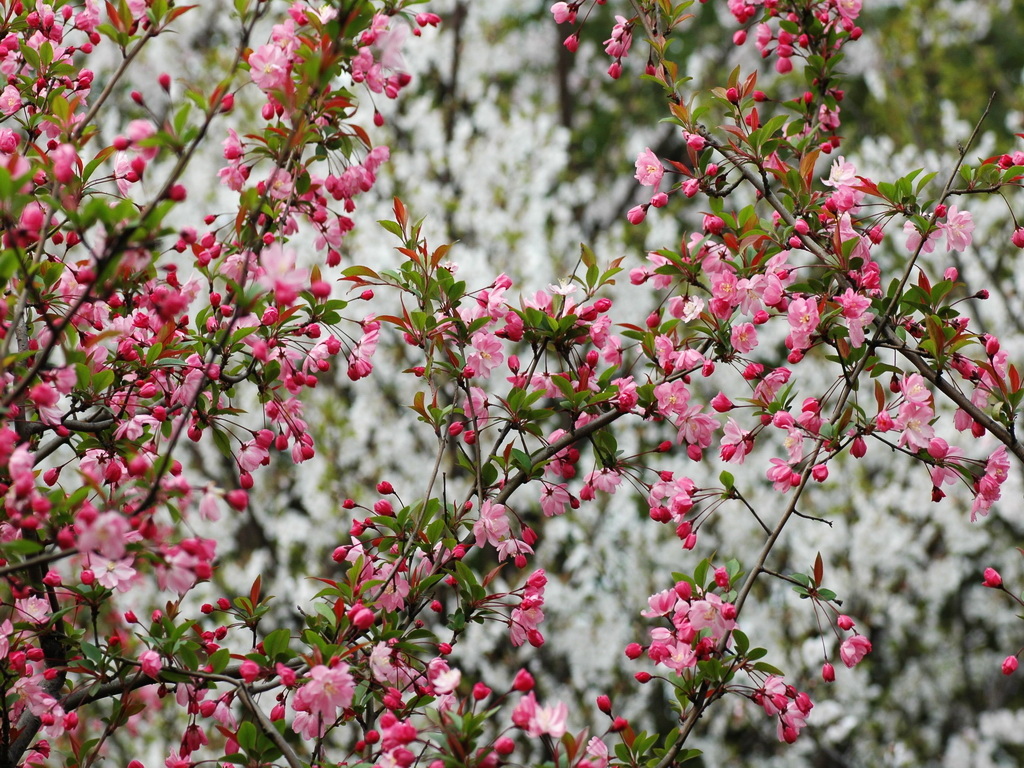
<point x="537" y="720"/>
<point x="649" y="170"/>
<point x="492" y="527"/>
<point x="854" y="649"/>
<point x="957" y="227"/>
<point x="10" y="100"/>
<point x="854" y="310"/>
<point x="743" y="337"/>
<point x="914" y="238"/>
<point x="268" y="67"/>
<point x="803" y="321"/>
<point x="485" y="355"/>
<point x="317" y="702"/>
<point x="113" y="574"/>
<point x="554" y="499"/>
<point x="914" y="419"/>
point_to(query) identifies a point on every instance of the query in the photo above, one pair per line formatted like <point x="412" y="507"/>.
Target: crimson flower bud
<point x="634" y="651"/>
<point x="523" y="681"/>
<point x="1010" y="665"/>
<point x="481" y="692"/>
<point x="643" y="677"/>
<point x="604" y="703"/>
<point x="238" y="499"/>
<point x="844" y="622"/>
<point x="249" y="670"/>
<point x="828" y="673"/>
<point x="721" y="403"/>
<point x="992" y="579"/>
<point x="362" y="617"/>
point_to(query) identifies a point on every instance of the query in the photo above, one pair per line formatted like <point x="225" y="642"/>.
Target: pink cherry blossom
<point x="649" y="170"/>
<point x="485" y="355"/>
<point x="10" y="100"/>
<point x="269" y="67"/>
<point x="803" y="321"/>
<point x="957" y="227"/>
<point x="743" y="337"/>
<point x="914" y="238"/>
<point x="492" y="527"/>
<point x="914" y="419"/>
<point x="854" y="649"/>
<point x="328" y="690"/>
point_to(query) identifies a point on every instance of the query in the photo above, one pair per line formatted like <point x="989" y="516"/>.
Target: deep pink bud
<point x="992" y="578"/>
<point x="721" y="403"/>
<point x="634" y="650"/>
<point x="845" y="622"/>
<point x="481" y="691"/>
<point x="249" y="670"/>
<point x="1010" y="665"/>
<point x="238" y="499"/>
<point x="523" y="681"/>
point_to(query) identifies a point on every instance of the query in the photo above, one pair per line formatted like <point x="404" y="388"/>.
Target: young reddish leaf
<point x="401" y="215"/>
<point x="254" y="592"/>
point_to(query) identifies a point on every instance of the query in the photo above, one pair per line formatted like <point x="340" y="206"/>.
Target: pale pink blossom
<point x="492" y="527"/>
<point x="328" y="690"/>
<point x="485" y="355"/>
<point x="554" y="499"/>
<point x="268" y="67"/>
<point x="854" y="649"/>
<point x="10" y="100"/>
<point x="914" y="238"/>
<point x="854" y="310"/>
<point x="649" y="170"/>
<point x="113" y="574"/>
<point x="672" y="397"/>
<point x="957" y="227"/>
<point x="913" y="418"/>
<point x="803" y="321"/>
<point x="743" y="337"/>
